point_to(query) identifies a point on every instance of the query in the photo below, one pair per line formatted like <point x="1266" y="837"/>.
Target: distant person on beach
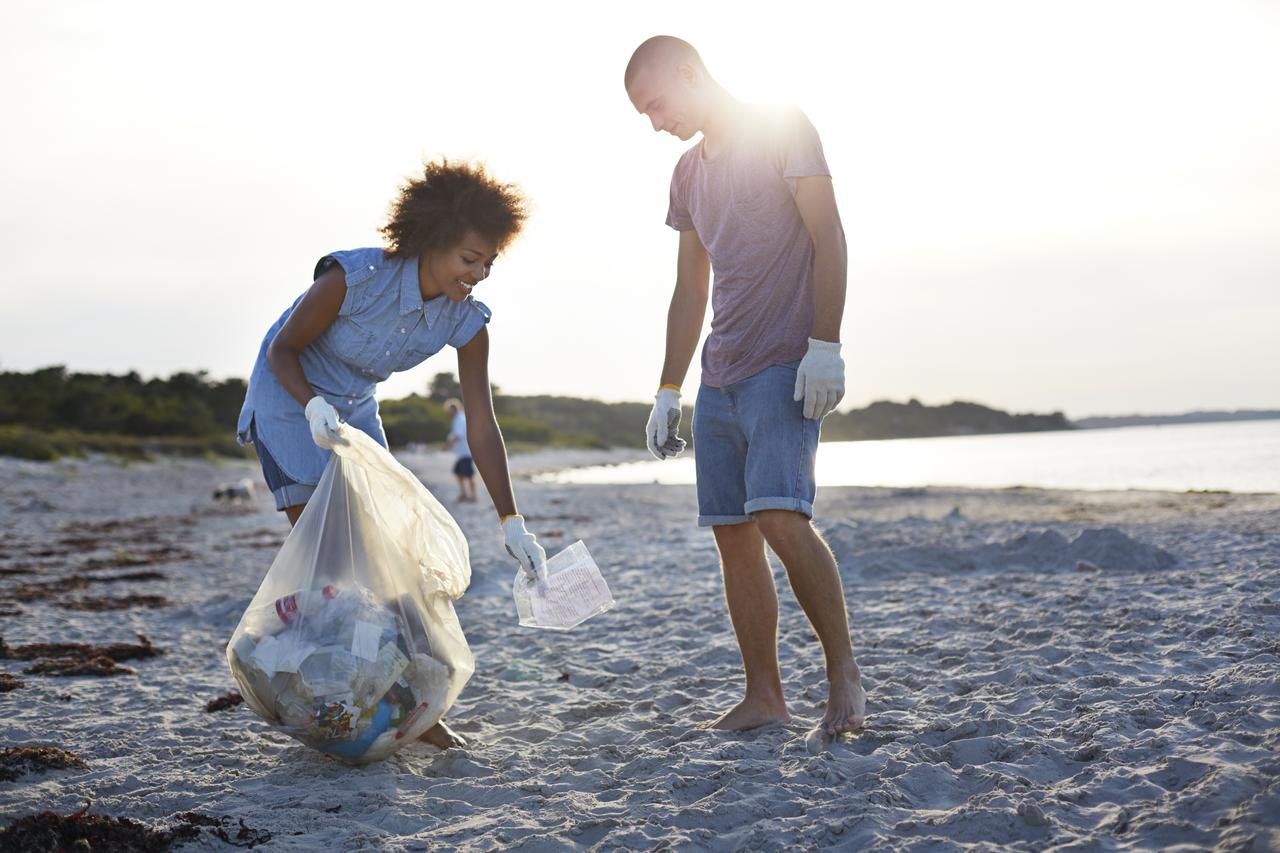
<point x="463" y="469"/>
<point x="372" y="312"/>
<point x="753" y="201"/>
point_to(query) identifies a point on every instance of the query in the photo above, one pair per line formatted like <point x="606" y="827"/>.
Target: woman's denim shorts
<point x="287" y="491"/>
<point x="753" y="448"/>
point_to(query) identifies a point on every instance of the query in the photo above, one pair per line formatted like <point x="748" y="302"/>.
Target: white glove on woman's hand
<point x="820" y="378"/>
<point x="664" y="421"/>
<point x="524" y="546"/>
<point x="324" y="422"/>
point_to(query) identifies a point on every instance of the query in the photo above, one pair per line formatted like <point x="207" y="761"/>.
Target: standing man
<point x="753" y="200"/>
<point x="463" y="469"/>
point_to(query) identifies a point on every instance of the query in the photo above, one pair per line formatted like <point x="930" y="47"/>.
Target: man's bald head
<point x="667" y="82"/>
<point x="662" y="53"/>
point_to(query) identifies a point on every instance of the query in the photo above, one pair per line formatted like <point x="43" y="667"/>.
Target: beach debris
<point x="124" y="558"/>
<point x="572" y="592"/>
<point x="363" y="653"/>
<point x="115" y="651"/>
<point x="9" y="682"/>
<point x="81" y="830"/>
<point x="100" y="603"/>
<point x="341" y="670"/>
<point x="245" y="837"/>
<point x="68" y="659"/>
<point x="40" y="591"/>
<point x="239" y="492"/>
<point x="24" y="760"/>
<point x="65" y="667"/>
<point x="223" y="703"/>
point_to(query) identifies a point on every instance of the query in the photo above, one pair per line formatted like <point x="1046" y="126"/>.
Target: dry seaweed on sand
<point x="124" y="558"/>
<point x="64" y="667"/>
<point x="73" y="583"/>
<point x="66" y="659"/>
<point x="246" y="836"/>
<point x="48" y="831"/>
<point x="21" y="760"/>
<point x="115" y="651"/>
<point x="223" y="703"/>
<point x="106" y="602"/>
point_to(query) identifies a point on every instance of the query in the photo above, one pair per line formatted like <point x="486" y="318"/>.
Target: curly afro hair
<point x="435" y="210"/>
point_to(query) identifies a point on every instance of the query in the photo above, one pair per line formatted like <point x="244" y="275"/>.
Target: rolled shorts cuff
<point x="792" y="504"/>
<point x="718" y="520"/>
<point x="292" y="494"/>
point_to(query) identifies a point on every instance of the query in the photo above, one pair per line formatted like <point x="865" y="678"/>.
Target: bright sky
<point x="1049" y="205"/>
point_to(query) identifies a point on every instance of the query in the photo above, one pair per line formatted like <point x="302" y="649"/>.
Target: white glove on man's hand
<point x="324" y="422"/>
<point x="524" y="546"/>
<point x="664" y="421"/>
<point x="820" y="378"/>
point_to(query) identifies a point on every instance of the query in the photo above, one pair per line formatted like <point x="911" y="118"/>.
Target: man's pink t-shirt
<point x="742" y="205"/>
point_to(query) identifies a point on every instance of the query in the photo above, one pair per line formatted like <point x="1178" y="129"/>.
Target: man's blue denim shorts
<point x="753" y="448"/>
<point x="287" y="492"/>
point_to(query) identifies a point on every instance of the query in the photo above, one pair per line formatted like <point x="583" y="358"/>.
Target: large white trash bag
<point x="351" y="644"/>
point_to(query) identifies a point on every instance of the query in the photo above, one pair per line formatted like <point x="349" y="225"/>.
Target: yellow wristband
<point x="669" y="385"/>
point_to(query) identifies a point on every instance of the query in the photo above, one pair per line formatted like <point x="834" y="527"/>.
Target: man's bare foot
<point x="751" y="714"/>
<point x="846" y="707"/>
<point x="442" y="737"/>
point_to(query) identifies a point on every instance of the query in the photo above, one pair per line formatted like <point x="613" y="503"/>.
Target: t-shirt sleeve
<point x="678" y="207"/>
<point x="473" y="320"/>
<point x="802" y="155"/>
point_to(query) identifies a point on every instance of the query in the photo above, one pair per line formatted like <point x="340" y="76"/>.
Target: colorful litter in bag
<point x="351" y="644"/>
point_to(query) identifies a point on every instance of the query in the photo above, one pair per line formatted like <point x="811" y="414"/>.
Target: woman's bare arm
<point x="487" y="447"/>
<point x="315" y="313"/>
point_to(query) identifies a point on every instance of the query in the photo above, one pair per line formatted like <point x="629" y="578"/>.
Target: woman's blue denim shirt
<point x="383" y="326"/>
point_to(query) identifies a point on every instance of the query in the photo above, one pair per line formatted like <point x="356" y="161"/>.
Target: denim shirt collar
<point x="410" y="295"/>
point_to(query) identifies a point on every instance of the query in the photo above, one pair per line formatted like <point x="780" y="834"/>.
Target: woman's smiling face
<point x="455" y="271"/>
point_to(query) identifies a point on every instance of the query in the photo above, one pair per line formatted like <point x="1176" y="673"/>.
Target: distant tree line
<point x="185" y="404"/>
<point x="50" y="411"/>
<point x="913" y="419"/>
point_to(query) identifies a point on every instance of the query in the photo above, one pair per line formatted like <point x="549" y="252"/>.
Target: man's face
<point x="669" y="97"/>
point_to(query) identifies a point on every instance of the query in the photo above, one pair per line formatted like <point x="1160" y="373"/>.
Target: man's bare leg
<point x="753" y="609"/>
<point x="814" y="577"/>
<point x="438" y="735"/>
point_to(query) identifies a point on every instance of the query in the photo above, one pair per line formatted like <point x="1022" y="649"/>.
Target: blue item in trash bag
<point x="353" y="749"/>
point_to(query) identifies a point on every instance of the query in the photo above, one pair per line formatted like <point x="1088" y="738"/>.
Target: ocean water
<point x="1236" y="456"/>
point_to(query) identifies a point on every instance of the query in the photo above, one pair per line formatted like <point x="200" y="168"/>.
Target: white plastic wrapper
<point x="573" y="592"/>
<point x="351" y="643"/>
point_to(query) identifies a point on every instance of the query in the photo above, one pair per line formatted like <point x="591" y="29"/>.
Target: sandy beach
<point x="1046" y="670"/>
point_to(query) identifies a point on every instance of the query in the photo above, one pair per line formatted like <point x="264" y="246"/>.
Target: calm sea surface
<point x="1237" y="456"/>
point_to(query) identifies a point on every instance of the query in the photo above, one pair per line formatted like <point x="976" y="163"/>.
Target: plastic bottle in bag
<point x="302" y="604"/>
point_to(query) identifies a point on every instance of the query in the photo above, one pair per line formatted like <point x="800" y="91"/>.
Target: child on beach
<point x="753" y="200"/>
<point x="374" y="311"/>
<point x="463" y="469"/>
